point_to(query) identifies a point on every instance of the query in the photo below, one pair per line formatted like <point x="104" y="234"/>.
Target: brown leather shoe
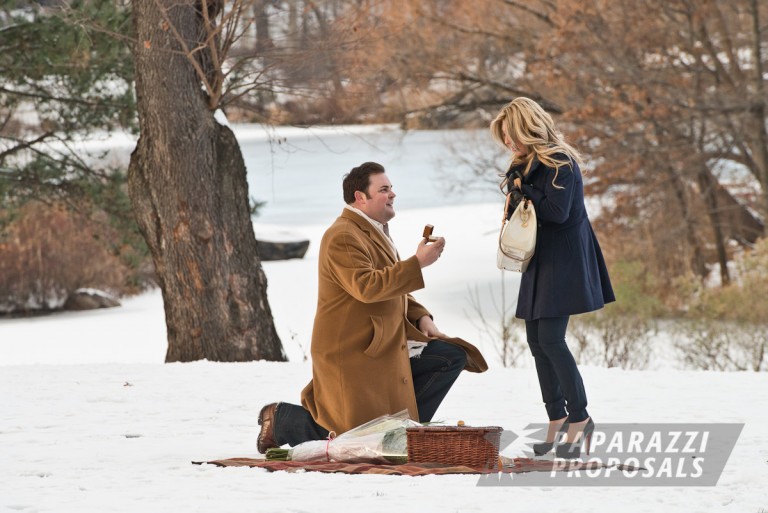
<point x="266" y="438"/>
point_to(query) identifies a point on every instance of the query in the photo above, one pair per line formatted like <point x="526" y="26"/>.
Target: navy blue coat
<point x="567" y="274"/>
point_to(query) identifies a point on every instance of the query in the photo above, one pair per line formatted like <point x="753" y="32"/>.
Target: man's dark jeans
<point x="434" y="371"/>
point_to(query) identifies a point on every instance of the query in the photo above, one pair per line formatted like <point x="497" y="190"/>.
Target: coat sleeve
<point x="352" y="263"/>
<point x="415" y="310"/>
<point x="553" y="204"/>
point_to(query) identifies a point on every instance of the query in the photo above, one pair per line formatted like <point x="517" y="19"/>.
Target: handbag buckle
<point x="525" y="213"/>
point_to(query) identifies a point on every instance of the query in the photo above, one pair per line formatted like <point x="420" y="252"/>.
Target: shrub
<point x="620" y="334"/>
<point x="47" y="252"/>
<point x="726" y="328"/>
<point x="723" y="346"/>
<point x="501" y="329"/>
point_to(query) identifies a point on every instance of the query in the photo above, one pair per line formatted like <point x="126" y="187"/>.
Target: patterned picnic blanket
<point x="514" y="466"/>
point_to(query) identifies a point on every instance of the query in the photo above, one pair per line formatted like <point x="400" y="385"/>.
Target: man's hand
<point x="427" y="326"/>
<point x="428" y="253"/>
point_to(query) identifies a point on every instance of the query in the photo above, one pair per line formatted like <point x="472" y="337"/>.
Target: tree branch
<point x="523" y="7"/>
<point x="24" y="145"/>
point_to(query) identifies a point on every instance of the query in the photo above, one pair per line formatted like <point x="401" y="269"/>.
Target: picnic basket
<point x="454" y="445"/>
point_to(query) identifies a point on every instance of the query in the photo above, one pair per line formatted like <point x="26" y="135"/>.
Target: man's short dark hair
<point x="359" y="179"/>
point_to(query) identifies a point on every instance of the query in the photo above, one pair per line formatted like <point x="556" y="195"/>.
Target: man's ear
<point x="360" y="197"/>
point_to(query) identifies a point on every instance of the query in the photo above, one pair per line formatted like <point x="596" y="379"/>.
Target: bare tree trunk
<point x="739" y="223"/>
<point x="697" y="260"/>
<point x="758" y="110"/>
<point x="187" y="182"/>
<point x="708" y="185"/>
<point x="293" y="25"/>
<point x="264" y="41"/>
<point x="335" y="109"/>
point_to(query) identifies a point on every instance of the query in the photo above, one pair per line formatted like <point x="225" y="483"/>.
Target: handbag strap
<point x="506" y="207"/>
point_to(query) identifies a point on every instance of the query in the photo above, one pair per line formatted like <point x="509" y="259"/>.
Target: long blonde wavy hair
<point x="531" y="126"/>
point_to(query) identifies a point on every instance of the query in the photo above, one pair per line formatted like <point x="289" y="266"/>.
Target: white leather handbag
<point x="517" y="239"/>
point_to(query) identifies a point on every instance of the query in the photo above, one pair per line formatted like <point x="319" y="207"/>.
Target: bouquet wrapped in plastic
<point x="381" y="440"/>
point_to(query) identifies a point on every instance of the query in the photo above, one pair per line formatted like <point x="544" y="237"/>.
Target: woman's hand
<point x="517" y="179"/>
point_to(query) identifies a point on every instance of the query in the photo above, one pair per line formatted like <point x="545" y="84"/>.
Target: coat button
<point x="402" y="347"/>
<point x="405" y="380"/>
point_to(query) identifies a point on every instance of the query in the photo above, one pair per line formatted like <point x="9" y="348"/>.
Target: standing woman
<point x="567" y="274"/>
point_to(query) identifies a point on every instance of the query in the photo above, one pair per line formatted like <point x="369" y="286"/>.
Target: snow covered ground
<point x="91" y="420"/>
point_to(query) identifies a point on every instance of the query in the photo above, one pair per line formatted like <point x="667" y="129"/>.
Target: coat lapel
<point x="375" y="235"/>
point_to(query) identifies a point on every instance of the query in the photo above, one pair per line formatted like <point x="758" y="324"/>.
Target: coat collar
<point x="521" y="167"/>
<point x="373" y="233"/>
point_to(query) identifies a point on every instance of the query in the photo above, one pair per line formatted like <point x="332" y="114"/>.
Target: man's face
<point x="379" y="205"/>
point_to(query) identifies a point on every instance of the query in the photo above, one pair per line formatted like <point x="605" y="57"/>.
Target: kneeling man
<point x="375" y="350"/>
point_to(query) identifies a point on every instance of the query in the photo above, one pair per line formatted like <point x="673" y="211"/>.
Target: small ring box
<point x="428" y="233"/>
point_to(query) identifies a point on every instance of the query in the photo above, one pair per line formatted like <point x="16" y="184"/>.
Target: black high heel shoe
<point x="543" y="448"/>
<point x="572" y="450"/>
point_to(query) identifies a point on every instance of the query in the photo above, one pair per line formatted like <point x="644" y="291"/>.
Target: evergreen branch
<point x="24" y="145"/>
<point x="66" y="100"/>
